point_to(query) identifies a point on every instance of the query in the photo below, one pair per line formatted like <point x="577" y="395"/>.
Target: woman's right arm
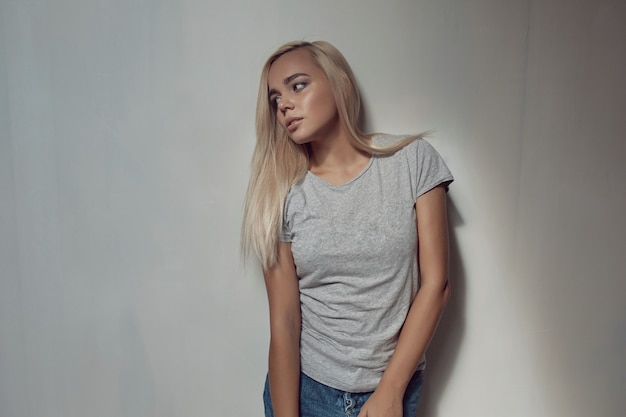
<point x="283" y="294"/>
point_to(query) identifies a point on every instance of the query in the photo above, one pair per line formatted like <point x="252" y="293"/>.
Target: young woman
<point x="351" y="231"/>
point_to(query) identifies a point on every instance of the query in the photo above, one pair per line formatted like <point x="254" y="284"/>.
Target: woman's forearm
<point x="415" y="336"/>
<point x="284" y="370"/>
<point x="285" y="324"/>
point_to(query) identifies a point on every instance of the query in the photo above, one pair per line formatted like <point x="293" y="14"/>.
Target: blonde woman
<point x="351" y="231"/>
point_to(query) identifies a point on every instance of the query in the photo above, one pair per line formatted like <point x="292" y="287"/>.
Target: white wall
<point x="126" y="129"/>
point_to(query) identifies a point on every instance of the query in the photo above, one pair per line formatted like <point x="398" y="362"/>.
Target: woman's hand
<point x="382" y="404"/>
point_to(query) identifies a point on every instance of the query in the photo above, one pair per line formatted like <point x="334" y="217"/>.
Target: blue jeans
<point x="319" y="400"/>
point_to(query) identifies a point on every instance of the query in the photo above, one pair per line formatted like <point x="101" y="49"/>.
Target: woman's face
<point x="302" y="97"/>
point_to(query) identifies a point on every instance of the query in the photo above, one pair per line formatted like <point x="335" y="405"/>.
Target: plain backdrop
<point x="126" y="131"/>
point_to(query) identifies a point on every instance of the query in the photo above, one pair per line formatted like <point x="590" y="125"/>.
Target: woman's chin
<point x="299" y="140"/>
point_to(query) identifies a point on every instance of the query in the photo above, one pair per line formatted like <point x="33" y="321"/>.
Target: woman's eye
<point x="298" y="86"/>
<point x="275" y="100"/>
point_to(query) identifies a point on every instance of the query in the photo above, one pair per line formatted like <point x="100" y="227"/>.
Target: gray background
<point x="126" y="131"/>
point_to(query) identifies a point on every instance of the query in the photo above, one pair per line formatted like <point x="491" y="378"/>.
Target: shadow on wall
<point x="444" y="348"/>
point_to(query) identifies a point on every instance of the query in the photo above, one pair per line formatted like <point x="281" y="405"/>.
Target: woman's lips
<point x="292" y="124"/>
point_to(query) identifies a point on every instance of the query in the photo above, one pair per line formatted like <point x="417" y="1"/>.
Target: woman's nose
<point x="285" y="104"/>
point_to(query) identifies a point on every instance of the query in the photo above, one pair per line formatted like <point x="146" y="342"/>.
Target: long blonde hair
<point x="278" y="163"/>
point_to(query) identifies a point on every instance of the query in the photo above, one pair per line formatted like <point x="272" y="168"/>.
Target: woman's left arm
<point x="426" y="309"/>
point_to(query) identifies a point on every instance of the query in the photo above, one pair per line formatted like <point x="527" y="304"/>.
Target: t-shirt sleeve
<point x="285" y="234"/>
<point x="430" y="169"/>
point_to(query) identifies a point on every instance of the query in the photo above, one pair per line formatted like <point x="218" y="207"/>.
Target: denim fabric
<point x="319" y="400"/>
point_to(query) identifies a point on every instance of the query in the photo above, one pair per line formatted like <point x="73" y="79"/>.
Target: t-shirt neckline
<point x="350" y="181"/>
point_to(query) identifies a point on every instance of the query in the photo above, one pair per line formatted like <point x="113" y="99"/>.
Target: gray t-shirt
<point x="354" y="247"/>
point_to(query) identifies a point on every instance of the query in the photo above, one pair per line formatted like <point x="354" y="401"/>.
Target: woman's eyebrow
<point x="293" y="77"/>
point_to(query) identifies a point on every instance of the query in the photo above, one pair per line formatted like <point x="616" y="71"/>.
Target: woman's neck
<point x="337" y="161"/>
